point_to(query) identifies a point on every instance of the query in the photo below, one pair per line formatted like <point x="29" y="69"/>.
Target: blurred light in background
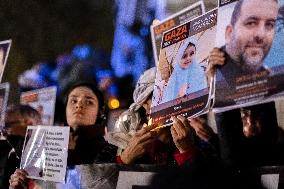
<point x="113" y="103"/>
<point x="82" y="52"/>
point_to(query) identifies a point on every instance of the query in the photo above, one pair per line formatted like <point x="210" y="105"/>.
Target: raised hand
<point x="182" y="134"/>
<point x="19" y="179"/>
<point x="138" y="144"/>
<point x="216" y="57"/>
<point x="202" y="130"/>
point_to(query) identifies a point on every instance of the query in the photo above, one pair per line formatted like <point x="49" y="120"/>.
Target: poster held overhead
<point x="181" y="85"/>
<point x="251" y="35"/>
<point x="177" y="19"/>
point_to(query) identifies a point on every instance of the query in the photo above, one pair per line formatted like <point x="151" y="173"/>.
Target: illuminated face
<point x="82" y="107"/>
<point x="249" y="41"/>
<point x="187" y="57"/>
<point x="251" y="124"/>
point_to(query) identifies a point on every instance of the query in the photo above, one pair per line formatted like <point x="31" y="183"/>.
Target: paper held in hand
<point x="44" y="154"/>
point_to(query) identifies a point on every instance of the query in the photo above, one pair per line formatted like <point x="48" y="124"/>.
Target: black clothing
<point x="203" y="173"/>
<point x="243" y="155"/>
<point x="92" y="150"/>
<point x="13" y="158"/>
<point x="91" y="147"/>
<point x="5" y="149"/>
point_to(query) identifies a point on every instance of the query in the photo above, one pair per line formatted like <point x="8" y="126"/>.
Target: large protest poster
<point x="44" y="154"/>
<point x="4" y="53"/>
<point x="181" y="85"/>
<point x="176" y="19"/>
<point x="43" y="100"/>
<point x="4" y="94"/>
<point x="251" y="34"/>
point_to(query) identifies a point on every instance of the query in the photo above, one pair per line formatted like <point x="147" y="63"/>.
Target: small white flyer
<point x="45" y="151"/>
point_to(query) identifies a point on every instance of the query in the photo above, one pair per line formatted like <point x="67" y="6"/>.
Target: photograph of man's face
<point x="250" y="34"/>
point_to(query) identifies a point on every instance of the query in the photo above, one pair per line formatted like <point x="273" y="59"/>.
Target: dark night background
<point x="41" y="30"/>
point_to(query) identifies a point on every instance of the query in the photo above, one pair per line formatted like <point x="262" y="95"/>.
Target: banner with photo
<point x="43" y="100"/>
<point x="4" y="95"/>
<point x="44" y="154"/>
<point x="193" y="11"/>
<point x="181" y="85"/>
<point x="251" y="33"/>
<point x="4" y="53"/>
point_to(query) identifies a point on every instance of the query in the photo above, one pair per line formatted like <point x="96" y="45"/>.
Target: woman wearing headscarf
<point x="133" y="119"/>
<point x="86" y="116"/>
<point x="188" y="76"/>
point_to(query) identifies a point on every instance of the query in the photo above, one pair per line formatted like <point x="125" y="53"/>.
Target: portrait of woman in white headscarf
<point x="188" y="76"/>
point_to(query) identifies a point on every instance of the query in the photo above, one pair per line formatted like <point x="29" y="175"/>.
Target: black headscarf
<point x="102" y="114"/>
<point x="90" y="140"/>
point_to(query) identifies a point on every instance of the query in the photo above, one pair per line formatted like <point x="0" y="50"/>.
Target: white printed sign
<point x="45" y="152"/>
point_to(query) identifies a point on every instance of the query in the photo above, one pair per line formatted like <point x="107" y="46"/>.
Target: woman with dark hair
<point x="86" y="116"/>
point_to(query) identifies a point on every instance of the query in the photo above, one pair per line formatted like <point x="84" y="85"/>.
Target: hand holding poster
<point x="177" y="19"/>
<point x="43" y="100"/>
<point x="250" y="32"/>
<point x="44" y="154"/>
<point x="181" y="86"/>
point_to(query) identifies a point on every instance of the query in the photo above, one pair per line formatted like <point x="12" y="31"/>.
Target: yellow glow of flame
<point x="113" y="103"/>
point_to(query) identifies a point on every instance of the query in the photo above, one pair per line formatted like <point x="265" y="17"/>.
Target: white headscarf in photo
<point x="194" y="76"/>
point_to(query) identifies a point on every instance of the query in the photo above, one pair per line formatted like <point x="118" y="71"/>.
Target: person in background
<point x="133" y="119"/>
<point x="18" y="117"/>
<point x="250" y="136"/>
